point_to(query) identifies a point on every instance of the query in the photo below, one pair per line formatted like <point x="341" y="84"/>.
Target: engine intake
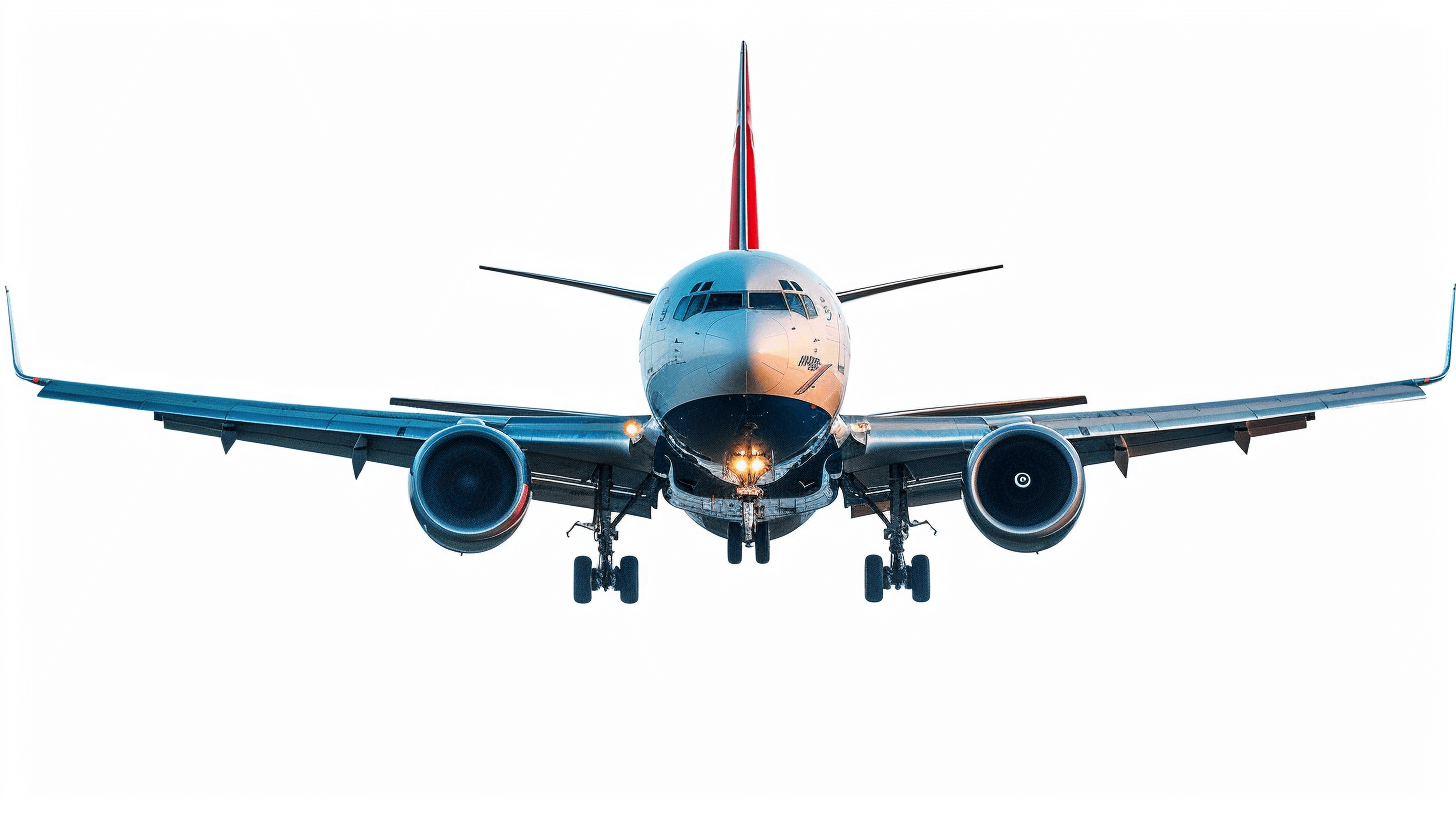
<point x="469" y="486"/>
<point x="1024" y="487"/>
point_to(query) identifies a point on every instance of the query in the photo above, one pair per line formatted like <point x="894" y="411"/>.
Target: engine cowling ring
<point x="1024" y="487"/>
<point x="469" y="487"/>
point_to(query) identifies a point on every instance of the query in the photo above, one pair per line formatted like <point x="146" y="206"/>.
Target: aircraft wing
<point x="934" y="449"/>
<point x="561" y="451"/>
<point x="933" y="444"/>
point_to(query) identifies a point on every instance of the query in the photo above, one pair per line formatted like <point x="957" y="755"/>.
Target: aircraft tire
<point x="760" y="543"/>
<point x="735" y="543"/>
<point x="627" y="589"/>
<point x="874" y="578"/>
<point x="920" y="579"/>
<point x="581" y="588"/>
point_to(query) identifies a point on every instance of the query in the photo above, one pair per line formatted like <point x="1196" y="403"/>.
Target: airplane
<point x="745" y="358"/>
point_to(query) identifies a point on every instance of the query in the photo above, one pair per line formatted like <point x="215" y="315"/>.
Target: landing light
<point x="632" y="428"/>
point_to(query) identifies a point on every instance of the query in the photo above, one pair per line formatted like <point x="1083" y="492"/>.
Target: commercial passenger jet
<point x="745" y="362"/>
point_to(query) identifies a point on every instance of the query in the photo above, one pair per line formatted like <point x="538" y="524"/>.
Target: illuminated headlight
<point x="633" y="429"/>
<point x="749" y="464"/>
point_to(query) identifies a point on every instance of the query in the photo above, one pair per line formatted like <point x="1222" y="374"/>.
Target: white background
<point x="289" y="201"/>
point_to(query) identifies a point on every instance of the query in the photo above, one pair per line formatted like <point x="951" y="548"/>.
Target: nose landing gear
<point x="753" y="532"/>
<point x="879" y="577"/>
<point x="586" y="579"/>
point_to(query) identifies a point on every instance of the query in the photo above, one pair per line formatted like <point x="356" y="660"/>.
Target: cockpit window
<point x="809" y="302"/>
<point x="724" y="302"/>
<point x="767" y="300"/>
<point x="695" y="305"/>
<point x="707" y="286"/>
<point x="797" y="304"/>
<point x="783" y="284"/>
<point x="797" y="287"/>
<point x="695" y="287"/>
<point x="682" y="309"/>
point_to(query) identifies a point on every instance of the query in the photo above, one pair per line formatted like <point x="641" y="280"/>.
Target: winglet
<point x="14" y="353"/>
<point x="1450" y="326"/>
<point x="743" y="213"/>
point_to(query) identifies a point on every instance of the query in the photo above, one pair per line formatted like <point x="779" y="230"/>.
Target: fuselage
<point x="746" y="351"/>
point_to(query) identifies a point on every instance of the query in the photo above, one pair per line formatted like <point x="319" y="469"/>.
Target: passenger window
<point x="724" y="302"/>
<point x="695" y="306"/>
<point x="682" y="309"/>
<point x="809" y="302"/>
<point x="797" y="304"/>
<point x="767" y="300"/>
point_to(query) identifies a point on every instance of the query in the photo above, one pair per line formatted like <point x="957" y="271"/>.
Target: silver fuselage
<point x="729" y="360"/>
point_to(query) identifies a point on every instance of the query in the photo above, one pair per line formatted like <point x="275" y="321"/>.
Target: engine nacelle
<point x="469" y="486"/>
<point x="1024" y="487"/>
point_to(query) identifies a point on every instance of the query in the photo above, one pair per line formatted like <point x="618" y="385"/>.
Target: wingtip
<point x="15" y="347"/>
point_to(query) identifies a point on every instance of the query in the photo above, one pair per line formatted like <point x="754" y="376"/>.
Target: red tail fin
<point x="743" y="216"/>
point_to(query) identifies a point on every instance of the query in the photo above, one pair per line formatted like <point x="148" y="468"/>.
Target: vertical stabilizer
<point x="743" y="220"/>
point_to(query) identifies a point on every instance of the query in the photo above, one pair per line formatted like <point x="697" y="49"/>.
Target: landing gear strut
<point x="585" y="578"/>
<point x="898" y="574"/>
<point x="753" y="532"/>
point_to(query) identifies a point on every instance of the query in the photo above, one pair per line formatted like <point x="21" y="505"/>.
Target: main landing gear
<point x="585" y="579"/>
<point x="898" y="575"/>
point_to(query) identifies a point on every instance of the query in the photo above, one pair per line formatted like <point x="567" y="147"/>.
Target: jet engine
<point x="469" y="486"/>
<point x="1024" y="487"/>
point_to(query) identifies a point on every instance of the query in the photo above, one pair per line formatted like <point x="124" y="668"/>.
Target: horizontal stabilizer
<point x="991" y="408"/>
<point x="477" y="409"/>
<point x="866" y="291"/>
<point x="630" y="294"/>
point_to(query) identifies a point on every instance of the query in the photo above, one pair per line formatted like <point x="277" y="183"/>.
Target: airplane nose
<point x="754" y="349"/>
<point x="745" y="358"/>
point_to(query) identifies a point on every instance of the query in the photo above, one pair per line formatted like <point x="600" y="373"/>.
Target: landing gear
<point x="585" y="578"/>
<point x="627" y="579"/>
<point x="753" y="532"/>
<point x="898" y="574"/>
<point x="920" y="579"/>
<point x="581" y="579"/>
<point x="874" y="578"/>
